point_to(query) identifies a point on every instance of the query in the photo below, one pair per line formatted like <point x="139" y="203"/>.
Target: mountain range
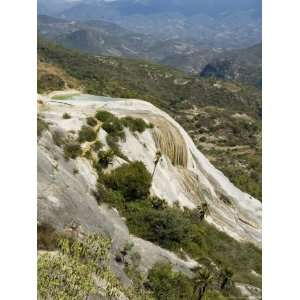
<point x="106" y="38"/>
<point x="219" y="23"/>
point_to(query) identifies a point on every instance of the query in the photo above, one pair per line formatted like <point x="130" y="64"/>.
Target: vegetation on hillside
<point x="233" y="146"/>
<point x="128" y="78"/>
<point x="182" y="231"/>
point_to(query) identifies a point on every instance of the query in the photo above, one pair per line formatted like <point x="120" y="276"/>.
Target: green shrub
<point x="91" y="121"/>
<point x="114" y="128"/>
<point x="167" y="284"/>
<point x="134" y="124"/>
<point x="60" y="277"/>
<point x="112" y="142"/>
<point x="69" y="273"/>
<point x="167" y="227"/>
<point x="72" y="150"/>
<point x="113" y="198"/>
<point x="87" y="134"/>
<point x="158" y="203"/>
<point x="66" y="116"/>
<point x="105" y="158"/>
<point x="132" y="180"/>
<point x="104" y="116"/>
<point x="97" y="146"/>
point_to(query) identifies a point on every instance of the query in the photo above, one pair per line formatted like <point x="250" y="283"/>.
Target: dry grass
<point x="49" y="69"/>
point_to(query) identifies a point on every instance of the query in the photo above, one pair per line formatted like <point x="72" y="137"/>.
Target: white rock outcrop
<point x="183" y="175"/>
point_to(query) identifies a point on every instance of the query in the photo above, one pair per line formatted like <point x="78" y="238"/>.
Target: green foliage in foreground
<point x="68" y="274"/>
<point x="167" y="284"/>
<point x="127" y="189"/>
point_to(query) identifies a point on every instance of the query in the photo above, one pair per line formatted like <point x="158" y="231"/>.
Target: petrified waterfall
<point x="170" y="142"/>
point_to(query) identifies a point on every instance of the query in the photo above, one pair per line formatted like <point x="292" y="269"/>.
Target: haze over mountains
<point x="99" y="37"/>
<point x="106" y="38"/>
<point x="218" y="23"/>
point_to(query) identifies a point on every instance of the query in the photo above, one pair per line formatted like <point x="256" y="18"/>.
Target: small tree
<point x="158" y="156"/>
<point x="202" y="280"/>
<point x="225" y="278"/>
<point x="105" y="158"/>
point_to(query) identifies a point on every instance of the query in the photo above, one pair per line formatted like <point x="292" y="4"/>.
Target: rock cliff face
<point x="183" y="175"/>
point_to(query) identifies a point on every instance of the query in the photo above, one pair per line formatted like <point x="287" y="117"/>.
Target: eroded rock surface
<point x="183" y="175"/>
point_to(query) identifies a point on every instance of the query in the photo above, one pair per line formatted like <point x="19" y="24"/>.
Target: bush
<point x="87" y="134"/>
<point x="167" y="227"/>
<point x="114" y="128"/>
<point x="113" y="198"/>
<point x="132" y="180"/>
<point x="97" y="146"/>
<point x="104" y="116"/>
<point x="70" y="273"/>
<point x="158" y="203"/>
<point x="66" y="116"/>
<point x="167" y="284"/>
<point x="91" y="121"/>
<point x="72" y="150"/>
<point x="134" y="125"/>
<point x="112" y="142"/>
<point x="105" y="158"/>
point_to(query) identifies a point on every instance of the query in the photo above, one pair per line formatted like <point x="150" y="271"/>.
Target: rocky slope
<point x="184" y="170"/>
<point x="183" y="177"/>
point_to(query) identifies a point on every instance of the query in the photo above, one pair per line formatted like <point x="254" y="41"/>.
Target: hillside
<point x="222" y="117"/>
<point x="105" y="38"/>
<point x="128" y="208"/>
<point x="244" y="65"/>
